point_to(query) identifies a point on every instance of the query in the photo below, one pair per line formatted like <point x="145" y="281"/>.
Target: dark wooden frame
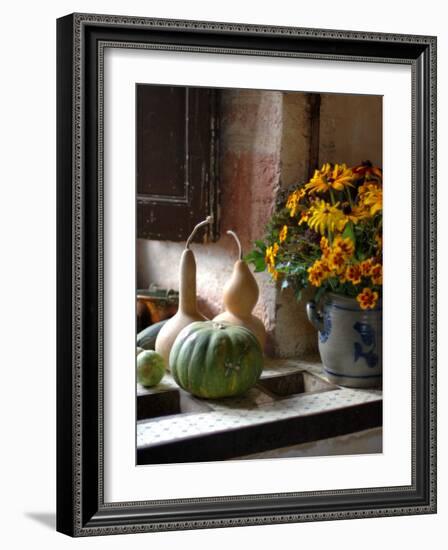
<point x="81" y="510"/>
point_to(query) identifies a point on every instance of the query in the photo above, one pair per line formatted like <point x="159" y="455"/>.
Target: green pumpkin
<point x="212" y="360"/>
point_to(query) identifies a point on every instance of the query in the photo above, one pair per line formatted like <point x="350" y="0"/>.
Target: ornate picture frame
<point x="81" y="507"/>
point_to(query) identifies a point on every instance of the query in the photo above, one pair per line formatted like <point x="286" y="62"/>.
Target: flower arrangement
<point x="327" y="234"/>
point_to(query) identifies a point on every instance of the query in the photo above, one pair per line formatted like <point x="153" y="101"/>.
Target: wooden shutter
<point x="176" y="161"/>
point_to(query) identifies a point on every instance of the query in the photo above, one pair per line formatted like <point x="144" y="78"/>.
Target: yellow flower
<point x="318" y="272"/>
<point x="367" y="299"/>
<point x="336" y="177"/>
<point x="373" y="200"/>
<point x="268" y="258"/>
<point x="270" y="254"/>
<point x="274" y="273"/>
<point x="353" y="274"/>
<point x="292" y="204"/>
<point x="283" y="233"/>
<point x="356" y="213"/>
<point x="366" y="267"/>
<point x="346" y="245"/>
<point x="376" y="273"/>
<point x="368" y="187"/>
<point x="323" y="216"/>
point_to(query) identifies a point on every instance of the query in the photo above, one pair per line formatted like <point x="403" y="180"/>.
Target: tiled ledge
<point x="320" y="409"/>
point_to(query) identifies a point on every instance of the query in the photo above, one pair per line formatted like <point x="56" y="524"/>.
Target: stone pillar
<point x="294" y="336"/>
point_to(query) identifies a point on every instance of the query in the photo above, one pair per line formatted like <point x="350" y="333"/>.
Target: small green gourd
<point x="146" y="338"/>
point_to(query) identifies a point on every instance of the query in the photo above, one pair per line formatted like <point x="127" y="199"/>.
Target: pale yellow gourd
<point x="187" y="312"/>
<point x="240" y="296"/>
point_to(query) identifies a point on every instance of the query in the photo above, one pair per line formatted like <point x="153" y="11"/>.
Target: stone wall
<point x="351" y="129"/>
<point x="250" y="160"/>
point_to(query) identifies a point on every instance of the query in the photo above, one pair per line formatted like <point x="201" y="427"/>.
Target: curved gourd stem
<point x="238" y="242"/>
<point x="207" y="220"/>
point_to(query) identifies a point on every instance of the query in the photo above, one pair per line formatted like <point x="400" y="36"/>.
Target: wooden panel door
<point x="177" y="183"/>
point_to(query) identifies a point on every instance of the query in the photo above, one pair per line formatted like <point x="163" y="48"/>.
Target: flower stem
<point x="349" y="195"/>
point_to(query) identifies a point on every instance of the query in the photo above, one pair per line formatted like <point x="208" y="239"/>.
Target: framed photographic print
<point x="246" y="274"/>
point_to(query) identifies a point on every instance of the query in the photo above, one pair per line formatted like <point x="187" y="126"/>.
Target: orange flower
<point x="318" y="272"/>
<point x="324" y="244"/>
<point x="353" y="274"/>
<point x="337" y="260"/>
<point x="366" y="267"/>
<point x="376" y="273"/>
<point x="367" y="299"/>
<point x="304" y="215"/>
<point x="325" y="247"/>
<point x="366" y="170"/>
<point x="346" y="245"/>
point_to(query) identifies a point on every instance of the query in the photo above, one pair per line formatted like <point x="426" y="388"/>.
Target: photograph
<point x="259" y="273"/>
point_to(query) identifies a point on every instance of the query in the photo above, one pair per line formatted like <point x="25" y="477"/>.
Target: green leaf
<point x="257" y="259"/>
<point x="285" y="284"/>
<point x="259" y="264"/>
<point x="261" y="245"/>
<point x="299" y="269"/>
<point x="298" y="294"/>
<point x="252" y="256"/>
<point x="349" y="232"/>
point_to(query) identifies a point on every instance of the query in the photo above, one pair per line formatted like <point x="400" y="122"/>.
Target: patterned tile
<point x="256" y="407"/>
<point x="225" y="417"/>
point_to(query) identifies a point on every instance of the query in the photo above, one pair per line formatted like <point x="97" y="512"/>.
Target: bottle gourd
<point x="188" y="311"/>
<point x="240" y="297"/>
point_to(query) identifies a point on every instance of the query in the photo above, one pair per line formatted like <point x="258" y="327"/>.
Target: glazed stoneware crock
<point x="349" y="339"/>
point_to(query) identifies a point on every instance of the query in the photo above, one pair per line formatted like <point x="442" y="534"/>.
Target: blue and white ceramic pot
<point x="350" y="341"/>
